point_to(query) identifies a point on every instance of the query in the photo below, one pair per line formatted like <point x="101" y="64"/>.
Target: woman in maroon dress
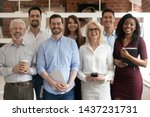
<point x="128" y="83"/>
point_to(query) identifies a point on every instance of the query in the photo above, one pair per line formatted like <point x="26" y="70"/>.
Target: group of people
<point x="91" y="66"/>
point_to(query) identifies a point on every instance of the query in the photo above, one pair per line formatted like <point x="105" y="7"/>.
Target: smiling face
<point x="17" y="31"/>
<point x="72" y="25"/>
<point x="108" y="20"/>
<point x="56" y="26"/>
<point x="129" y="26"/>
<point x="35" y="18"/>
<point x="93" y="32"/>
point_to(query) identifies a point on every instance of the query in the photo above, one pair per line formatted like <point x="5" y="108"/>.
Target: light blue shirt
<point x="62" y="54"/>
<point x="110" y="39"/>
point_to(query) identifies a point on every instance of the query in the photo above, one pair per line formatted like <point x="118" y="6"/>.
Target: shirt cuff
<point x="107" y="78"/>
<point x="32" y="71"/>
<point x="10" y="70"/>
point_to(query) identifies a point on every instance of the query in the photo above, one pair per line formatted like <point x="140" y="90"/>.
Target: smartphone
<point x="94" y="74"/>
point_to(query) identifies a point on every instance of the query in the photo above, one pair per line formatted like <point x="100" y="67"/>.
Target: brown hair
<point x="80" y="40"/>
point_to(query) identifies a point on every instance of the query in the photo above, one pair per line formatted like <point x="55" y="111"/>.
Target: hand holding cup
<point x="24" y="66"/>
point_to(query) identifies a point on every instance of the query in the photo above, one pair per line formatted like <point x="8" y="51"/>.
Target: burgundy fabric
<point x="128" y="83"/>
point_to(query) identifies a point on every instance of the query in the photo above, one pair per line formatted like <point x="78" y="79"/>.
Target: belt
<point x="26" y="83"/>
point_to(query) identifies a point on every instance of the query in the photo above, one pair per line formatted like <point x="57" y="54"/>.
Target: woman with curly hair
<point x="128" y="83"/>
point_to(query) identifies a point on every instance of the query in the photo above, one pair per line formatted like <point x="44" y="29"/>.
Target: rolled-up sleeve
<point x="75" y="62"/>
<point x="40" y="60"/>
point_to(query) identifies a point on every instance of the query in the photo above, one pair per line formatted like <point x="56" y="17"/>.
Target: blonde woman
<point x="96" y="67"/>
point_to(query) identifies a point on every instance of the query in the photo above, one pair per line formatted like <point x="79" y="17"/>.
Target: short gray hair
<point x="17" y="20"/>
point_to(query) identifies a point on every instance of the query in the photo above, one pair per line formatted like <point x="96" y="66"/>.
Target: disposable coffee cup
<point x="24" y="61"/>
<point x="25" y="64"/>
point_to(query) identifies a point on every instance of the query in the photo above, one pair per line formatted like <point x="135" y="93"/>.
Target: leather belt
<point x="26" y="83"/>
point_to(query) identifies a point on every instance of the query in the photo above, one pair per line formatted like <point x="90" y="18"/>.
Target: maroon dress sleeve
<point x="142" y="49"/>
<point x="117" y="48"/>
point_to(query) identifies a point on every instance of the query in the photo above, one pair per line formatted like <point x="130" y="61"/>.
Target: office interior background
<point x="10" y="9"/>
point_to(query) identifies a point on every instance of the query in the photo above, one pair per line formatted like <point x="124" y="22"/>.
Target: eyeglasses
<point x="93" y="29"/>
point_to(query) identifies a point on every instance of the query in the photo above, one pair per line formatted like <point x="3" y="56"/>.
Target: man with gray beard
<point x="34" y="37"/>
<point x="17" y="65"/>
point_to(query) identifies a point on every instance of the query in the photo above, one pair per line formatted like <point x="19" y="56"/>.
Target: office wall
<point x="70" y="5"/>
<point x="146" y="5"/>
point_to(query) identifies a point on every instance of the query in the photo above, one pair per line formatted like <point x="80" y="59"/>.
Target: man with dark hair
<point x="34" y="8"/>
<point x="58" y="62"/>
<point x="108" y="21"/>
<point x="34" y="37"/>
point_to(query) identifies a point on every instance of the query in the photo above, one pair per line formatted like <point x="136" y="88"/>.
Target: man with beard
<point x="34" y="37"/>
<point x="59" y="56"/>
<point x="16" y="64"/>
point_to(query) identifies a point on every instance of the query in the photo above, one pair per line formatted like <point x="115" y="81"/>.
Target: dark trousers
<point x="77" y="89"/>
<point x="13" y="91"/>
<point x="37" y="81"/>
<point x="66" y="96"/>
<point x="111" y="91"/>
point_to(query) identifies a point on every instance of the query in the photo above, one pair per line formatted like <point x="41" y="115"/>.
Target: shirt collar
<point x="106" y="34"/>
<point x="23" y="43"/>
<point x="58" y="39"/>
<point x="28" y="30"/>
<point x="87" y="45"/>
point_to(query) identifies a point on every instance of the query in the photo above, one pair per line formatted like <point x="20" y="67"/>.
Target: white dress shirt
<point x="35" y="41"/>
<point x="100" y="61"/>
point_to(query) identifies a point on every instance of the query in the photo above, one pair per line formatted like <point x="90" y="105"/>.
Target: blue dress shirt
<point x="62" y="54"/>
<point x="111" y="39"/>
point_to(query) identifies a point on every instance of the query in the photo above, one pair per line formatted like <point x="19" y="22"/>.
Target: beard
<point x="35" y="23"/>
<point x="56" y="31"/>
<point x="18" y="36"/>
